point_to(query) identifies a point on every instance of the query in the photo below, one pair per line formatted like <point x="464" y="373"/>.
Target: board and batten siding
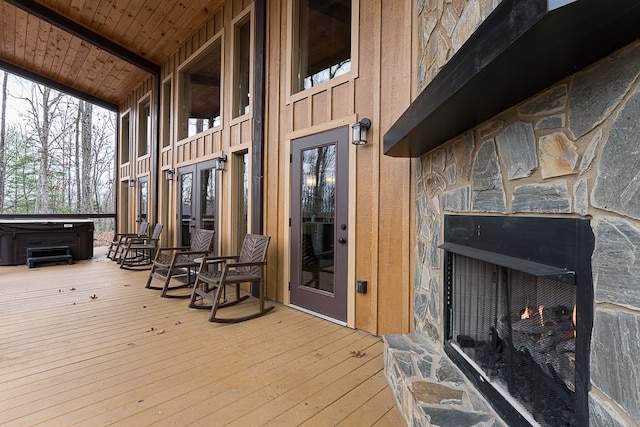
<point x="379" y="87"/>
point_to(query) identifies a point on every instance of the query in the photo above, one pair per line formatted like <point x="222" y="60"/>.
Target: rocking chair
<point x="120" y="240"/>
<point x="139" y="252"/>
<point x="181" y="264"/>
<point x="248" y="267"/>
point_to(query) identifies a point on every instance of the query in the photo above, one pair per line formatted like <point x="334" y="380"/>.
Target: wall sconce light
<point x="359" y="132"/>
<point x="168" y="174"/>
<point x="132" y="183"/>
<point x="220" y="162"/>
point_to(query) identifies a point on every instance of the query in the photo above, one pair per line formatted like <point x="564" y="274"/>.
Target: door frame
<point x="351" y="222"/>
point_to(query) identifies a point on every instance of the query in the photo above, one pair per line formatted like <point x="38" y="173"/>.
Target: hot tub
<point x="16" y="235"/>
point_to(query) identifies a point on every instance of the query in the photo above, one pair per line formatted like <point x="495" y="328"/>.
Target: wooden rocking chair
<point x="120" y="240"/>
<point x="139" y="252"/>
<point x="248" y="267"/>
<point x="181" y="264"/>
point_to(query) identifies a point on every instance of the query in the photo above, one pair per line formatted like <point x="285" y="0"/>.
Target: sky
<point x="14" y="105"/>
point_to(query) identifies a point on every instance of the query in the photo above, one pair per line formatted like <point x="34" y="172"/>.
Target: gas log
<point x="548" y="335"/>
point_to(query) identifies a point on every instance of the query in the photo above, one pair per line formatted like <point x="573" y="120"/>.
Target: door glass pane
<point x="186" y="183"/>
<point x="208" y="199"/>
<point x="318" y="207"/>
<point x="144" y="201"/>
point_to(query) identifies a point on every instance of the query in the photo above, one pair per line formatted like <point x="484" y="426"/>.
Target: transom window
<point x="201" y="94"/>
<point x="323" y="41"/>
<point x="144" y="128"/>
<point x="124" y="138"/>
<point x="242" y="65"/>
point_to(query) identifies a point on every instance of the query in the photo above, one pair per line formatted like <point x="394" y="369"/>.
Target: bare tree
<point x="44" y="107"/>
<point x="77" y="152"/>
<point x="3" y="129"/>
<point x="86" y="197"/>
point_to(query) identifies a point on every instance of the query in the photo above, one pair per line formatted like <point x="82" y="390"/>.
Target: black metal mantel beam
<point x="523" y="47"/>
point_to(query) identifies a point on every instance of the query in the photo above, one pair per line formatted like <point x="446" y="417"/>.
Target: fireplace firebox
<point x="519" y="313"/>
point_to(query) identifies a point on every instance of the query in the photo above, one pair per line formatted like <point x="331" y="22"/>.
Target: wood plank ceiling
<point x="148" y="29"/>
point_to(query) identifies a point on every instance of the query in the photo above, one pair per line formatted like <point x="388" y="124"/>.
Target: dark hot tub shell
<point x="18" y="235"/>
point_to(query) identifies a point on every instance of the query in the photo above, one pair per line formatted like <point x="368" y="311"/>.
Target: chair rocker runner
<point x="181" y="264"/>
<point x="120" y="240"/>
<point x="139" y="252"/>
<point x="248" y="267"/>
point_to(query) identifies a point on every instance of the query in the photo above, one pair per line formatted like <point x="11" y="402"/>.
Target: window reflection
<point x="201" y="92"/>
<point x="324" y="41"/>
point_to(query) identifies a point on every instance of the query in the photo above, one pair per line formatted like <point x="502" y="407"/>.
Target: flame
<point x="528" y="311"/>
<point x="541" y="316"/>
<point x="574" y="321"/>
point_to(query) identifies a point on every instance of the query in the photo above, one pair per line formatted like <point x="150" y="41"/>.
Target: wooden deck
<point x="86" y="344"/>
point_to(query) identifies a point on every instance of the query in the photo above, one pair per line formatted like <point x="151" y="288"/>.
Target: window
<point x="166" y="113"/>
<point x="124" y="138"/>
<point x="144" y="127"/>
<point x="241" y="182"/>
<point x="323" y="37"/>
<point x="201" y="94"/>
<point x="242" y="42"/>
<point x="143" y="199"/>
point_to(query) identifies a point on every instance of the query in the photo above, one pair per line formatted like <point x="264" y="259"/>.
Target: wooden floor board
<point x="86" y="344"/>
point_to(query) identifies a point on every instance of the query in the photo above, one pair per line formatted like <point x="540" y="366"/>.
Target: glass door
<point x="319" y="205"/>
<point x="198" y="200"/>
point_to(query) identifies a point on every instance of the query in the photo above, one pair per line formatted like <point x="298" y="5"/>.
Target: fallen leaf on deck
<point x="357" y="353"/>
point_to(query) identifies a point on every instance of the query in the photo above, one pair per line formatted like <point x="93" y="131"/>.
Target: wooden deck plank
<point x="129" y="357"/>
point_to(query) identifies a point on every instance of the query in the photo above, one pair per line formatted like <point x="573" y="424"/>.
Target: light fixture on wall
<point x="168" y="174"/>
<point x="132" y="183"/>
<point x="220" y="162"/>
<point x="359" y="132"/>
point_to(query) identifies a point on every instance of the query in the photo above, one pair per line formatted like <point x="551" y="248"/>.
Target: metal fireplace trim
<point x="548" y="243"/>
<point x="531" y="267"/>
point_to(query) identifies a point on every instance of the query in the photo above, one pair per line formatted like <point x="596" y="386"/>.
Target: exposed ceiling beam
<point x="14" y="69"/>
<point x="66" y="24"/>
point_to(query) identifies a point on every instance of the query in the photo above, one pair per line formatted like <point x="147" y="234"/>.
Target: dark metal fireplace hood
<point x="542" y="246"/>
<point x="523" y="47"/>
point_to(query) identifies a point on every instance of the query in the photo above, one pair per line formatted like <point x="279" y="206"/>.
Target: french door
<point x="197" y="200"/>
<point x="319" y="213"/>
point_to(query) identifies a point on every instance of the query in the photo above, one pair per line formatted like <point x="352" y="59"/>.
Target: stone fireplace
<point x="568" y="151"/>
<point x="513" y="290"/>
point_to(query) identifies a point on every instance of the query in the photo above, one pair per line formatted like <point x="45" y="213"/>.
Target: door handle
<point x="342" y="240"/>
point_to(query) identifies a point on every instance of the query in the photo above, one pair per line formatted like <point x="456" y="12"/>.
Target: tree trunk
<point x="87" y="112"/>
<point x="3" y="128"/>
<point x="42" y="200"/>
<point x="79" y="118"/>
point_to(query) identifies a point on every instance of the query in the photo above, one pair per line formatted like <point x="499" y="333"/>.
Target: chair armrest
<point x="125" y="235"/>
<point x="144" y="241"/>
<point x="173" y="248"/>
<point x="203" y="253"/>
<point x="244" y="264"/>
<point x="220" y="258"/>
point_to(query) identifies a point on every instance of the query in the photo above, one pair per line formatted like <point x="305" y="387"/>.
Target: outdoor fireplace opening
<point x="518" y="313"/>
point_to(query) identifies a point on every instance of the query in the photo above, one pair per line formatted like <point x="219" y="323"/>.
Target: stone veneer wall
<point x="573" y="149"/>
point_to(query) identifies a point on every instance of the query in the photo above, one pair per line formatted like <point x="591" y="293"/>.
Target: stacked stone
<point x="573" y="149"/>
<point x="429" y="389"/>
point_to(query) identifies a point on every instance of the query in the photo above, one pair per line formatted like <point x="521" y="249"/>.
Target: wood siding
<point x="378" y="87"/>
